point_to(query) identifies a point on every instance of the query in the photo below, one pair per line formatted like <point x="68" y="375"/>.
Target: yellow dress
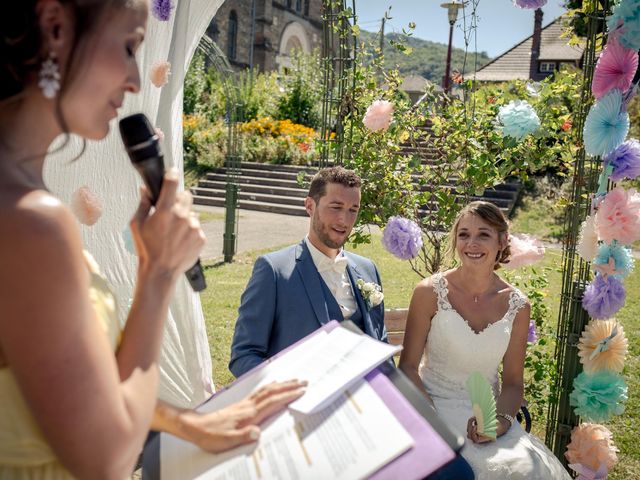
<point x="24" y="453"/>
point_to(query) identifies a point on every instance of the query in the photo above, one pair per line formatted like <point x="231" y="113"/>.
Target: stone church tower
<point x="279" y="26"/>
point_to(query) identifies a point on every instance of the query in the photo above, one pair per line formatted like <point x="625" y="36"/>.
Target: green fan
<point x="484" y="404"/>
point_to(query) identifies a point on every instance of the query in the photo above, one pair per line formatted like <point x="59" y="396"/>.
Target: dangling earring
<point x="49" y="77"/>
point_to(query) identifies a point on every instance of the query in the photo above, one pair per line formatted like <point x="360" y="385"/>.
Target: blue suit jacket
<point x="283" y="303"/>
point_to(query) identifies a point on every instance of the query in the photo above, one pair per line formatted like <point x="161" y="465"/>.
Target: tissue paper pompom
<point x="611" y="350"/>
<point x="402" y="237"/>
<point x="625" y="160"/>
<point x="161" y="9"/>
<point x="160" y="134"/>
<point x="86" y="206"/>
<point x="378" y="115"/>
<point x="160" y="72"/>
<point x="618" y="216"/>
<point x="626" y="16"/>
<point x="127" y="239"/>
<point x="603" y="297"/>
<point x="615" y="68"/>
<point x="530" y="4"/>
<point x="588" y="240"/>
<point x="518" y="119"/>
<point x="532" y="336"/>
<point x="598" y="396"/>
<point x="606" y="125"/>
<point x="591" y="445"/>
<point x="623" y="260"/>
<point x="525" y="250"/>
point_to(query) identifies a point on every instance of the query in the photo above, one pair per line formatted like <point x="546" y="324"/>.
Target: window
<point x="288" y="3"/>
<point x="547" y="67"/>
<point x="232" y="35"/>
<point x="306" y="7"/>
<point x="298" y="5"/>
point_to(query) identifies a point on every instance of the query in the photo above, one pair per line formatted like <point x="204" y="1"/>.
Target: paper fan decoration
<point x="483" y="403"/>
<point x="606" y="125"/>
<point x="603" y="346"/>
<point x="615" y="69"/>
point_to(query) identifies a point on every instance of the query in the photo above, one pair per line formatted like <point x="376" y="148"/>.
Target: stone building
<point x="278" y="26"/>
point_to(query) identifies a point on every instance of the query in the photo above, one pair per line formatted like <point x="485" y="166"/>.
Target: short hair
<point x="339" y="175"/>
<point x="490" y="214"/>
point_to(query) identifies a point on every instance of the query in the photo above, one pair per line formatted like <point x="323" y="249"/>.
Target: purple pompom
<point x="603" y="297"/>
<point x="533" y="336"/>
<point x="530" y="4"/>
<point x="161" y="9"/>
<point x="402" y="237"/>
<point x="625" y="161"/>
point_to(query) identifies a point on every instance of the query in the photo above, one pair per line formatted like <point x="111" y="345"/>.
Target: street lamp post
<point x="452" y="12"/>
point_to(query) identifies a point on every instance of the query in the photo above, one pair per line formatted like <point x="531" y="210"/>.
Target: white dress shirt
<point x="335" y="275"/>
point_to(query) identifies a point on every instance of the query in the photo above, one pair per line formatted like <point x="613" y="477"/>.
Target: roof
<point x="414" y="83"/>
<point x="514" y="64"/>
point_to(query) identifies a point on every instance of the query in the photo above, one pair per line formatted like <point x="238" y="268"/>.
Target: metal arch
<point x="234" y="116"/>
<point x="339" y="50"/>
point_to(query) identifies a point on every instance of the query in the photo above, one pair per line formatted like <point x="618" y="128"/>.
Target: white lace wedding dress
<point x="452" y="352"/>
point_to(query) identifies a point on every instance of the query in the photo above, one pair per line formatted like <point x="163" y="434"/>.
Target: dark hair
<point x="340" y="175"/>
<point x="21" y="45"/>
<point x="490" y="214"/>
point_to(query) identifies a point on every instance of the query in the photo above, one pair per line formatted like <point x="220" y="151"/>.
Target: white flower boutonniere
<point x="371" y="293"/>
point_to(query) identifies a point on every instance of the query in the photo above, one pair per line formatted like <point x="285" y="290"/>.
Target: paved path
<point x="256" y="230"/>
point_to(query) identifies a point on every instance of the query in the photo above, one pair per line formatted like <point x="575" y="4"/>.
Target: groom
<point x="294" y="291"/>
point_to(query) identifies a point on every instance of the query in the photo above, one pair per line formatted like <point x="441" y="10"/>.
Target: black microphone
<point x="141" y="143"/>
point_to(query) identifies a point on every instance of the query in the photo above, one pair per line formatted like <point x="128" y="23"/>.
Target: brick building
<point x="279" y="27"/>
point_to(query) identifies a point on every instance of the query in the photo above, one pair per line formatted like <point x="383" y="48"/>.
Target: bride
<point x="468" y="319"/>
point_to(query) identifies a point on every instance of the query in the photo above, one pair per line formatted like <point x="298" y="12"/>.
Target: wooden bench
<point x="395" y="320"/>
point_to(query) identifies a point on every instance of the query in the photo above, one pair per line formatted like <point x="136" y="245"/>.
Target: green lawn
<point x="227" y="281"/>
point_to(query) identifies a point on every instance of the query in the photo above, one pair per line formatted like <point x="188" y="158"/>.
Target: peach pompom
<point x="591" y="445"/>
<point x="603" y="346"/>
<point x="160" y="134"/>
<point x="588" y="241"/>
<point x="618" y="216"/>
<point x="86" y="206"/>
<point x="378" y="115"/>
<point x="525" y="250"/>
<point x="160" y="72"/>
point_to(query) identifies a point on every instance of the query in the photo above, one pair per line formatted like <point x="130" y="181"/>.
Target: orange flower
<point x="566" y="125"/>
<point x="303" y="147"/>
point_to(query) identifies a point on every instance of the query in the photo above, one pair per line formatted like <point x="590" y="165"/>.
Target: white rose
<point x="376" y="298"/>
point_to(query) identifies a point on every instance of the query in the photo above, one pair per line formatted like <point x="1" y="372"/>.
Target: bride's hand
<point x="472" y="432"/>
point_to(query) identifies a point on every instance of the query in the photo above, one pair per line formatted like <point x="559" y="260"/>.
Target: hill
<point x="426" y="58"/>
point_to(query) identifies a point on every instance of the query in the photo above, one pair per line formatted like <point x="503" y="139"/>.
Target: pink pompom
<point x="378" y="115"/>
<point x="525" y="250"/>
<point x="160" y="72"/>
<point x="86" y="206"/>
<point x="618" y="216"/>
<point x="615" y="69"/>
<point x="160" y="134"/>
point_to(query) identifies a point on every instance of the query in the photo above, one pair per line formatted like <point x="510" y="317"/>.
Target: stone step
<point x="254" y="197"/>
<point x="253" y="180"/>
<point x="262" y="189"/>
<point x="251" y="205"/>
<point x="259" y="173"/>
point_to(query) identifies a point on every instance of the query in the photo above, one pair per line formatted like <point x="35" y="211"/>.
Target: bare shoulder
<point x="37" y="226"/>
<point x="424" y="292"/>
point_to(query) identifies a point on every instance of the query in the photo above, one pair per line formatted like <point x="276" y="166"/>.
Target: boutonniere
<point x="371" y="293"/>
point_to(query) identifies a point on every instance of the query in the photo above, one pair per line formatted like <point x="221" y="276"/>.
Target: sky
<point x="501" y="24"/>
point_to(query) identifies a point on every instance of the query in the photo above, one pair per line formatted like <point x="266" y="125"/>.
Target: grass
<point x="227" y="282"/>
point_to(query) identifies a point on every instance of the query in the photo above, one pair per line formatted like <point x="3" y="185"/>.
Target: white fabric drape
<point x="105" y="168"/>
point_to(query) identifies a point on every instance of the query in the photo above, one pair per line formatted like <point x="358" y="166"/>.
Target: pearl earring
<point x="49" y="77"/>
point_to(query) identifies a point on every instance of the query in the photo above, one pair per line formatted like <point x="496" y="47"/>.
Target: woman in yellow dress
<point x="69" y="406"/>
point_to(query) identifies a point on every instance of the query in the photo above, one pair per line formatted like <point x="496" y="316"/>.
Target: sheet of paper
<point x="350" y="439"/>
<point x="331" y="364"/>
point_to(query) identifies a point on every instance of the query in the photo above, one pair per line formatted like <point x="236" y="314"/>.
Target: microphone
<point x="141" y="142"/>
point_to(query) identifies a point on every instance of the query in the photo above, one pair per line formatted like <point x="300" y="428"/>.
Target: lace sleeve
<point x="517" y="300"/>
<point x="440" y="287"/>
